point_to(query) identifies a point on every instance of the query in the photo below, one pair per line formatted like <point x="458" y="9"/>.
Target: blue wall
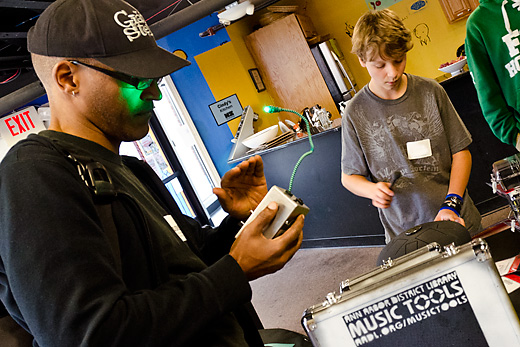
<point x="194" y="90"/>
<point x="38" y="102"/>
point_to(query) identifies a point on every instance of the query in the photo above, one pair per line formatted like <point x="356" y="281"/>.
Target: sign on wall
<point x="19" y="125"/>
<point x="226" y="109"/>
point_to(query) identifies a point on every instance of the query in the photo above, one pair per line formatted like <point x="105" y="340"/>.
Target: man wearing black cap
<point x="145" y="275"/>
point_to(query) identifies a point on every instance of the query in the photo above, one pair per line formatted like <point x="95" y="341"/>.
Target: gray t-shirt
<point x="375" y="134"/>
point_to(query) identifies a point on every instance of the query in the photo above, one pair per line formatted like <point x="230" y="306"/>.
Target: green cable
<point x="272" y="109"/>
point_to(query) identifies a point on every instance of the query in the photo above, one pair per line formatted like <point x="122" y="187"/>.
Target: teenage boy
<point x="405" y="124"/>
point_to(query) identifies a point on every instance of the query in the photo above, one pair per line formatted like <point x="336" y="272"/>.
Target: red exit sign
<point x="20" y="124"/>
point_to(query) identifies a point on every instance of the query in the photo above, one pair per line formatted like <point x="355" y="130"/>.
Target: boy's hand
<point x="449" y="215"/>
<point x="381" y="194"/>
<point x="258" y="256"/>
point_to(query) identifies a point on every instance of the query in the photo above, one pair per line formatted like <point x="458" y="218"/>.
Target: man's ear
<point x="363" y="64"/>
<point x="66" y="76"/>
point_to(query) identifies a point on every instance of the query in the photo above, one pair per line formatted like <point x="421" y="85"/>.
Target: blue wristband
<point x="455" y="195"/>
<point x="452" y="202"/>
<point x="451" y="209"/>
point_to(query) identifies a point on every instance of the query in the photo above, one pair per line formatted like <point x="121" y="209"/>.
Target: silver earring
<point x="73" y="93"/>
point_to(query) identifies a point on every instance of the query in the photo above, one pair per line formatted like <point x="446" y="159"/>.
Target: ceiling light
<point x="236" y="11"/>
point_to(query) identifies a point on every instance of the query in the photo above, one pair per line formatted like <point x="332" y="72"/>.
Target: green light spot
<point x="132" y="97"/>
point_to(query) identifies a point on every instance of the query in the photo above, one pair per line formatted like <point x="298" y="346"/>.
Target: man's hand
<point x="258" y="256"/>
<point x="446" y="214"/>
<point x="242" y="188"/>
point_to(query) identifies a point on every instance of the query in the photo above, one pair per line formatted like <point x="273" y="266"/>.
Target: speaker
<point x="442" y="232"/>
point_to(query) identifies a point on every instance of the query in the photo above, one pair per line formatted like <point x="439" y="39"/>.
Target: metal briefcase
<point x="434" y="296"/>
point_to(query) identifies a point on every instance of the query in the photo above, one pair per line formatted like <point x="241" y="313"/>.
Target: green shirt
<point x="492" y="48"/>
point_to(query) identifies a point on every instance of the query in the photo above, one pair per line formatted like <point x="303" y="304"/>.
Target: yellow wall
<point x="225" y="75"/>
<point x="226" y="67"/>
<point x="334" y="17"/>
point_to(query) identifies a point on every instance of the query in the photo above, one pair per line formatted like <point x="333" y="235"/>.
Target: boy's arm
<point x="380" y="192"/>
<point x="459" y="176"/>
<point x="460" y="171"/>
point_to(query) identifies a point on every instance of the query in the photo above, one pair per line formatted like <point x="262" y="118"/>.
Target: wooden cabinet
<point x="289" y="70"/>
<point x="458" y="9"/>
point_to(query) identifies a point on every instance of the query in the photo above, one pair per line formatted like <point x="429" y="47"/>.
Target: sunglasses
<point x="138" y="83"/>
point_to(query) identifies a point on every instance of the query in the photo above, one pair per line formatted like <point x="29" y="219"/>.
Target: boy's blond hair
<point x="380" y="33"/>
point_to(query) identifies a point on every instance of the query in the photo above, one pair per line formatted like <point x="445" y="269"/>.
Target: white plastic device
<point x="289" y="208"/>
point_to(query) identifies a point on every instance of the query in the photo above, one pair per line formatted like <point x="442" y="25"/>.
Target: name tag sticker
<point x="419" y="149"/>
<point x="175" y="227"/>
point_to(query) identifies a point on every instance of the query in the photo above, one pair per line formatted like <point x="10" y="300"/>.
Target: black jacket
<point x="59" y="277"/>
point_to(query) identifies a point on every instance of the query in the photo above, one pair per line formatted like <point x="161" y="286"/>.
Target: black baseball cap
<point x="110" y="31"/>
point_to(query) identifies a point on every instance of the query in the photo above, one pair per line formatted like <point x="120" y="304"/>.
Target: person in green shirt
<point x="492" y="50"/>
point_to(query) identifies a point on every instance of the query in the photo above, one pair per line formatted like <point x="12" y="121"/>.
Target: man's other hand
<point x="242" y="188"/>
<point x="259" y="256"/>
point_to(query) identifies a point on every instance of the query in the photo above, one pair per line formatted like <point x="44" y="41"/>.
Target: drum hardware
<point x="515" y="208"/>
<point x="505" y="181"/>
